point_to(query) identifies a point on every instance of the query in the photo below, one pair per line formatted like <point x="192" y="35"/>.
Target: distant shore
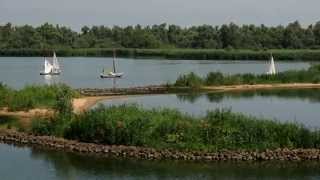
<point x="174" y="53"/>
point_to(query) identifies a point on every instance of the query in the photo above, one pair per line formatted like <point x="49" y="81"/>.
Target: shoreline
<point x="91" y="99"/>
<point x="248" y="87"/>
<point x="304" y="55"/>
<point x="60" y="144"/>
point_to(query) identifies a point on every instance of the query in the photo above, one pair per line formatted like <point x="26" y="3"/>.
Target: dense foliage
<point x="168" y="128"/>
<point x="312" y="75"/>
<point x="33" y="96"/>
<point x="230" y="36"/>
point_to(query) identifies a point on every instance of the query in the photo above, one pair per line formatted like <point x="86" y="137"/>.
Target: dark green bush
<point x="189" y="80"/>
<point x="42" y="126"/>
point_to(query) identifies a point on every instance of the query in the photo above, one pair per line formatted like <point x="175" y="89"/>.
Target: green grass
<point x="192" y="54"/>
<point x="312" y="75"/>
<point x="169" y="128"/>
<point x="32" y="96"/>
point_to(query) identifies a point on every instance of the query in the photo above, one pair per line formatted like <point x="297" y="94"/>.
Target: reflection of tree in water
<point x="190" y="97"/>
<point x="73" y="166"/>
<point x="313" y="95"/>
<point x="215" y="97"/>
<point x="70" y="166"/>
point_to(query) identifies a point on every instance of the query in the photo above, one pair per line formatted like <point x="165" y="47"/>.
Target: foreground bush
<point x="168" y="128"/>
<point x="312" y="75"/>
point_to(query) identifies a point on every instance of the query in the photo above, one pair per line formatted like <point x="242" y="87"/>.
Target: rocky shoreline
<point x="156" y="89"/>
<point x="18" y="138"/>
<point x="165" y="89"/>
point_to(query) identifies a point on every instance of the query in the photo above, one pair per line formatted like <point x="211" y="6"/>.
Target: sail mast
<point x="114" y="57"/>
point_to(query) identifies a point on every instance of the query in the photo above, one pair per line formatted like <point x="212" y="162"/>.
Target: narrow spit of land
<point x="84" y="103"/>
<point x="173" y="144"/>
<point x="247" y="87"/>
<point x="79" y="105"/>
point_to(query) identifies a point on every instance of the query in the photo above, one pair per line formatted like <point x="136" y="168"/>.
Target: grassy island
<point x="311" y="75"/>
<point x="168" y="128"/>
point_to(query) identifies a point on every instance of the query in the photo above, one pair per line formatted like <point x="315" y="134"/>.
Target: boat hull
<point x="51" y="73"/>
<point x="118" y="75"/>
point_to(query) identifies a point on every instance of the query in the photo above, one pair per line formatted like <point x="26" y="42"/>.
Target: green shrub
<point x="42" y="126"/>
<point x="33" y="96"/>
<point x="189" y="80"/>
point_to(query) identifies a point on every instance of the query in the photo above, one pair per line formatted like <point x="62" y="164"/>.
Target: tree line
<point x="231" y="36"/>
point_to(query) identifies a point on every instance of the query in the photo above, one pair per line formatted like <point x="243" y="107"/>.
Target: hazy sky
<point x="76" y="13"/>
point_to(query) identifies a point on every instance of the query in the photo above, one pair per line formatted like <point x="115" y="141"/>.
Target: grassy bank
<point x="197" y="54"/>
<point x="168" y="128"/>
<point x="32" y="96"/>
<point x="311" y="75"/>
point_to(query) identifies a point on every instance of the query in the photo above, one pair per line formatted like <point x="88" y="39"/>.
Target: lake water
<point x="300" y="106"/>
<point x="24" y="163"/>
<point x="83" y="72"/>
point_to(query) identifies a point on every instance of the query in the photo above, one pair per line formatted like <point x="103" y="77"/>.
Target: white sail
<point x="55" y="63"/>
<point x="272" y="68"/>
<point x="47" y="66"/>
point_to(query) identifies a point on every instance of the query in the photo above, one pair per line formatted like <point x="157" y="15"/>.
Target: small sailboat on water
<point x="272" y="67"/>
<point x="51" y="68"/>
<point x="114" y="73"/>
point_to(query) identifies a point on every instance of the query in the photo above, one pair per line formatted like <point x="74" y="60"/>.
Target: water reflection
<point x="74" y="166"/>
<point x="312" y="95"/>
<point x="50" y="79"/>
<point x="299" y="106"/>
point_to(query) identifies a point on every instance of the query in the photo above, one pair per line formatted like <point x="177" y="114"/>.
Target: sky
<point x="77" y="13"/>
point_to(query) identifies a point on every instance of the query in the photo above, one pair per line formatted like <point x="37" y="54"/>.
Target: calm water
<point x="84" y="72"/>
<point x="300" y="106"/>
<point x="22" y="163"/>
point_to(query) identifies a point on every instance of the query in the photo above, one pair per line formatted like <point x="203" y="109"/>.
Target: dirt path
<point x="260" y="86"/>
<point x="26" y="114"/>
<point x="84" y="103"/>
<point x="79" y="105"/>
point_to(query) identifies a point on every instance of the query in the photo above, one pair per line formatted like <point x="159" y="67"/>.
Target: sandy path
<point x="79" y="105"/>
<point x="260" y="86"/>
<point x="84" y="103"/>
<point x="26" y="114"/>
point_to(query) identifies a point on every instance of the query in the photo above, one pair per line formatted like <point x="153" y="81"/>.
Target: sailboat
<point x="51" y="68"/>
<point x="272" y="68"/>
<point x="114" y="73"/>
